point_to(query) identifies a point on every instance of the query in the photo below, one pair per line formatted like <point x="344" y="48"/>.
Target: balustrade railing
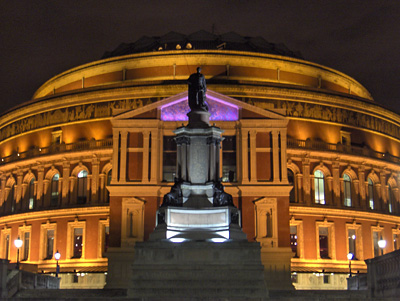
<point x="383" y="276"/>
<point x="346" y="149"/>
<point x="58" y="148"/>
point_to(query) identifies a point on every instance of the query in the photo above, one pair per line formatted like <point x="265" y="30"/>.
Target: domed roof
<point x="201" y="40"/>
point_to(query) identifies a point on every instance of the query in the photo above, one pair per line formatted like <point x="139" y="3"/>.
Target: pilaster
<point x="115" y="156"/>
<point x="123" y="152"/>
<point x="245" y="156"/>
<point x="253" y="156"/>
<point x="95" y="180"/>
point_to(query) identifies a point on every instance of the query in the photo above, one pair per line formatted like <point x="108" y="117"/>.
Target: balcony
<point x="339" y="148"/>
<point x="36" y="152"/>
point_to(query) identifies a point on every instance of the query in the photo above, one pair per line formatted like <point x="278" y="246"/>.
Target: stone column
<point x="3" y="190"/>
<point x="47" y="196"/>
<point x="253" y="157"/>
<point x="275" y="156"/>
<point x="115" y="156"/>
<point x="363" y="196"/>
<point x="65" y="183"/>
<point x="154" y="156"/>
<point x="306" y="180"/>
<point x="39" y="191"/>
<point x="329" y="193"/>
<point x="18" y="195"/>
<point x="95" y="179"/>
<point x="336" y="183"/>
<point x="382" y="179"/>
<point x="123" y="154"/>
<point x="73" y="192"/>
<point x="102" y="188"/>
<point x="299" y="188"/>
<point x="245" y="156"/>
<point x="283" y="155"/>
<point x="145" y="167"/>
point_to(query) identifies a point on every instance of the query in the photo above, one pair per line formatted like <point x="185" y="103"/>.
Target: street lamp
<point x="18" y="244"/>
<point x="57" y="257"/>
<point x="350" y="257"/>
<point x="382" y="245"/>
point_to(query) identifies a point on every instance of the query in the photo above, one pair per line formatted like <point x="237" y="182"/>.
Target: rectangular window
<point x="351" y="235"/>
<point x="49" y="244"/>
<point x="396" y="243"/>
<point x="293" y="240"/>
<point x="229" y="159"/>
<point x="106" y="239"/>
<point x="25" y="254"/>
<point x="169" y="159"/>
<point x="324" y="242"/>
<point x="78" y="242"/>
<point x="6" y="246"/>
<point x="375" y="239"/>
<point x="327" y="279"/>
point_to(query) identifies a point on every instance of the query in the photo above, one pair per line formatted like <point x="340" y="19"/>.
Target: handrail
<point x="58" y="148"/>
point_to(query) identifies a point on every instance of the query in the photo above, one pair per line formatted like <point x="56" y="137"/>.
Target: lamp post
<point x="18" y="244"/>
<point x="350" y="257"/>
<point x="382" y="245"/>
<point x="57" y="257"/>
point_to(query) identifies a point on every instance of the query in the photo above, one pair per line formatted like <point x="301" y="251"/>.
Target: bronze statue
<point x="197" y="91"/>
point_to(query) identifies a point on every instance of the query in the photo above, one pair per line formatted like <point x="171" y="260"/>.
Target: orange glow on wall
<point x="97" y="130"/>
<point x="304" y="130"/>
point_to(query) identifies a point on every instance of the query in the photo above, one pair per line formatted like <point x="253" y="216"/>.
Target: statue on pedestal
<point x="197" y="91"/>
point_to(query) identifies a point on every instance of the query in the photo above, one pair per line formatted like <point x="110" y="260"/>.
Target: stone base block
<point x="119" y="274"/>
<point x="198" y="270"/>
<point x="276" y="262"/>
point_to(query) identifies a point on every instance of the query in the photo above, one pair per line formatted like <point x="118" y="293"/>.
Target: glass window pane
<point x="50" y="244"/>
<point x="319" y="184"/>
<point x="324" y="242"/>
<point x="78" y="242"/>
<point x="347" y="190"/>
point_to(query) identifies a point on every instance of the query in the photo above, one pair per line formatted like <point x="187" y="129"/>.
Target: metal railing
<point x="340" y="148"/>
<point x="58" y="148"/>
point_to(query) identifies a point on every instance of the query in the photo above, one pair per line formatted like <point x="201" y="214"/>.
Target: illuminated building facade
<point x="308" y="156"/>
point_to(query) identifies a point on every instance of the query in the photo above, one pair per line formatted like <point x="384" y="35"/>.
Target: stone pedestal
<point x="215" y="224"/>
<point x="198" y="269"/>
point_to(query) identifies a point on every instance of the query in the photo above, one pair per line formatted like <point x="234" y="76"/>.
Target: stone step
<point x="194" y="283"/>
<point x="199" y="293"/>
<point x="199" y="274"/>
<point x="70" y="294"/>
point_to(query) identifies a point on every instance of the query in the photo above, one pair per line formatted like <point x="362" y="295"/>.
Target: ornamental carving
<point x="76" y="113"/>
<point x="326" y="113"/>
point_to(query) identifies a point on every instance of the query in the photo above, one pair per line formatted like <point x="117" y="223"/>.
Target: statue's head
<point x="198" y="69"/>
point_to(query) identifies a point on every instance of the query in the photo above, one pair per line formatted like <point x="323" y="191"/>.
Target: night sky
<point x="40" y="39"/>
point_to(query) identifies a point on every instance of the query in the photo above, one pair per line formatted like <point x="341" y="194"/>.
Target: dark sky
<point x="39" y="39"/>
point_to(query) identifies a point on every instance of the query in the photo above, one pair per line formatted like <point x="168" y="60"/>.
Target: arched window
<point x="319" y="185"/>
<point x="31" y="194"/>
<point x="371" y="194"/>
<point x="347" y="190"/>
<point x="390" y="199"/>
<point x="82" y="187"/>
<point x="292" y="195"/>
<point x="54" y="190"/>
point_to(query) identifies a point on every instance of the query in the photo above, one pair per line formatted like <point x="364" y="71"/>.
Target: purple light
<point x="220" y="110"/>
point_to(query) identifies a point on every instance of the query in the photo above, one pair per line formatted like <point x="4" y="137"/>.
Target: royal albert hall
<point x="310" y="159"/>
